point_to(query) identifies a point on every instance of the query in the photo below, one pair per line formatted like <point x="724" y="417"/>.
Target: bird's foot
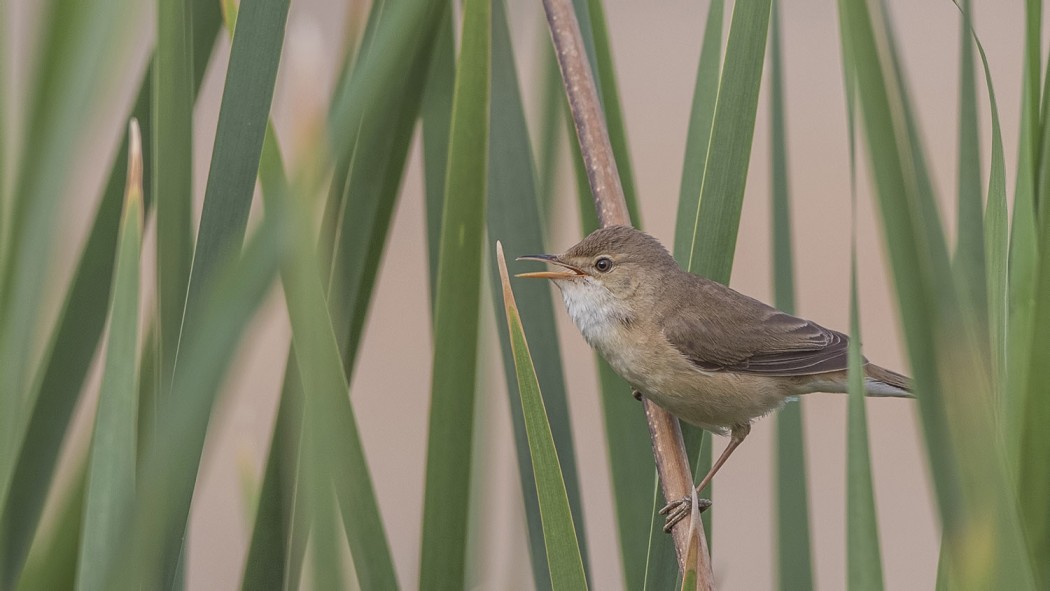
<point x="677" y="510"/>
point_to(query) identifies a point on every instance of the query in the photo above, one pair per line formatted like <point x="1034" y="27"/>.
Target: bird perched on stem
<point x="706" y="353"/>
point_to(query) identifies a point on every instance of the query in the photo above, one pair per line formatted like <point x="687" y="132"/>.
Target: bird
<point x="708" y="354"/>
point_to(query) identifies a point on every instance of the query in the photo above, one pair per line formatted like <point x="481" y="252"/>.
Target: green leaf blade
<point x="559" y="533"/>
<point x="78" y="43"/>
<point x="864" y="559"/>
<point x="725" y="175"/>
<point x="362" y="204"/>
<point x="172" y="457"/>
<point x="969" y="261"/>
<point x="437" y="119"/>
<point x="172" y="154"/>
<point x="701" y="116"/>
<point x="75" y="336"/>
<point x="245" y="107"/>
<point x="514" y="216"/>
<point x="694" y="167"/>
<point x="446" y="500"/>
<point x="329" y="422"/>
<point x="795" y="563"/>
<point x="629" y="446"/>
<point x="66" y="363"/>
<point x="605" y="74"/>
<point x="111" y="472"/>
<point x="952" y="375"/>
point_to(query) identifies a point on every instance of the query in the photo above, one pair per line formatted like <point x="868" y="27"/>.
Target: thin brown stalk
<point x="671" y="461"/>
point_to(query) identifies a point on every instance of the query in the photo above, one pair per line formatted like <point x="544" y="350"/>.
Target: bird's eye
<point x="603" y="264"/>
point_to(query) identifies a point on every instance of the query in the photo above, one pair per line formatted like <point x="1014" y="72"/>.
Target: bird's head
<point x="618" y="262"/>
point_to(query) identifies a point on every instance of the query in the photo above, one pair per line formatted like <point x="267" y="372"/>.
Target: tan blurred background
<point x="656" y="47"/>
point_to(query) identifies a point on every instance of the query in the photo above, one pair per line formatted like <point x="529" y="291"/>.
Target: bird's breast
<point x="598" y="315"/>
<point x="611" y="328"/>
<point x="642" y="355"/>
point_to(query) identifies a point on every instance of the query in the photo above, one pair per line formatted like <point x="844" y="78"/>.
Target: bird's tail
<point x="883" y="382"/>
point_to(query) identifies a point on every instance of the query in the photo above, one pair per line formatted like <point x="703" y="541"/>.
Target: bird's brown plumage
<point x="707" y="353"/>
<point x="739" y="334"/>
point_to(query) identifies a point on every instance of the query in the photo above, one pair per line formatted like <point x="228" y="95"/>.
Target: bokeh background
<point x="656" y="47"/>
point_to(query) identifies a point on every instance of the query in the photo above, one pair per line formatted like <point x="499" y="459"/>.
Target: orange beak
<point x="569" y="273"/>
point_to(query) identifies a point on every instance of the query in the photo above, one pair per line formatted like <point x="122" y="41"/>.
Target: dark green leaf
<point x="514" y="218"/>
<point x="1034" y="480"/>
<point x="629" y="446"/>
<point x="171" y="151"/>
<point x="551" y="125"/>
<point x="272" y="554"/>
<point x="698" y="139"/>
<point x="245" y="107"/>
<point x="362" y="204"/>
<point x="712" y="233"/>
<point x="243" y="113"/>
<point x="437" y="118"/>
<point x="725" y="175"/>
<point x="701" y="115"/>
<point x="66" y="363"/>
<point x="1023" y="256"/>
<point x="447" y="498"/>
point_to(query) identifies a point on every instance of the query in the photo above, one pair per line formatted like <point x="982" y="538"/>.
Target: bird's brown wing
<point x="719" y="329"/>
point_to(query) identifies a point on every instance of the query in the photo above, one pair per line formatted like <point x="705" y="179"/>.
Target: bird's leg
<point x="677" y="510"/>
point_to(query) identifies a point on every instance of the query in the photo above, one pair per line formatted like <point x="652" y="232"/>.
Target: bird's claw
<point x="677" y="510"/>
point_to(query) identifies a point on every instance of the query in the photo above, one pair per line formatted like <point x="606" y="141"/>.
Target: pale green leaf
<point x="795" y="565"/>
<point x="114" y="442"/>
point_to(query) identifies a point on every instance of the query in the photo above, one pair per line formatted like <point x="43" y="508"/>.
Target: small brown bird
<point x="706" y="353"/>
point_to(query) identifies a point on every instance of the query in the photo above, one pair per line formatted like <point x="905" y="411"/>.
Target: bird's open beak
<point x="569" y="273"/>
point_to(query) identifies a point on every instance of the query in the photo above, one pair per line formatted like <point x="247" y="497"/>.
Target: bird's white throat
<point x="594" y="309"/>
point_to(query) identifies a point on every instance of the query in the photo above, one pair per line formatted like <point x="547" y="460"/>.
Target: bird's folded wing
<point x="747" y="336"/>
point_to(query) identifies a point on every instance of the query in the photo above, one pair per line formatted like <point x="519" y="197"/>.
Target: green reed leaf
<point x="449" y="443"/>
<point x="514" y="217"/>
<point x="559" y="533"/>
<point x="114" y="442"/>
<point x="795" y="564"/>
